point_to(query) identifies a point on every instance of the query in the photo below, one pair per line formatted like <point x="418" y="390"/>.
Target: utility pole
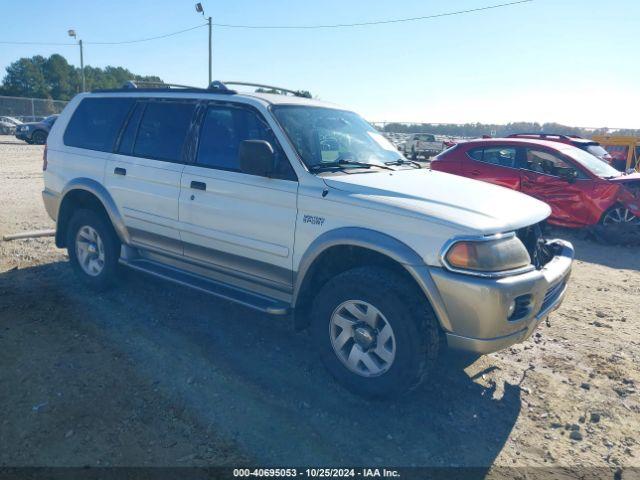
<point x="72" y="33"/>
<point x="84" y="86"/>
<point x="210" y="46"/>
<point x="200" y="9"/>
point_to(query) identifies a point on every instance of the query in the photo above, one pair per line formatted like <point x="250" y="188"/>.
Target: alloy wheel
<point x="620" y="215"/>
<point x="90" y="251"/>
<point x="362" y="338"/>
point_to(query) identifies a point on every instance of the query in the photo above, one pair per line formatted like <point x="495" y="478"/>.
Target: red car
<point x="580" y="189"/>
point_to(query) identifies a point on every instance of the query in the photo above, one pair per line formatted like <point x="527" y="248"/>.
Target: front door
<point x="144" y="175"/>
<point x="241" y="226"/>
<point x="548" y="176"/>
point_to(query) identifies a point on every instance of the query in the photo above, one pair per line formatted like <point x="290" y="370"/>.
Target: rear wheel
<point x="375" y="332"/>
<point x="94" y="248"/>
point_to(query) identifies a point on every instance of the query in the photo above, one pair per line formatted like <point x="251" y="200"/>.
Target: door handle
<point x="199" y="185"/>
<point x="120" y="171"/>
<point x="475" y="172"/>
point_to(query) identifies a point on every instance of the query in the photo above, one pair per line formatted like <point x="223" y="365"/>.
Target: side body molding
<point x="380" y="243"/>
<point x="100" y="192"/>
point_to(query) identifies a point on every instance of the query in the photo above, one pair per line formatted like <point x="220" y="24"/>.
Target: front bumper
<point x="26" y="136"/>
<point x="477" y="308"/>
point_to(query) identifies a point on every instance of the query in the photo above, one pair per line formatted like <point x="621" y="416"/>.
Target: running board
<point x="207" y="285"/>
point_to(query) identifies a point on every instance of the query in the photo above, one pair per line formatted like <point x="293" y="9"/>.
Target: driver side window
<point x="541" y="161"/>
<point x="223" y="130"/>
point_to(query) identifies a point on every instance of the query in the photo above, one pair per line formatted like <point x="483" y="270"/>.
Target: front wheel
<point x="39" y="137"/>
<point x="94" y="248"/>
<point x="375" y="332"/>
<point x="619" y="215"/>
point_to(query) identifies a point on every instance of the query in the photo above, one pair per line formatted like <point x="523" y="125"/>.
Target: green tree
<point x="61" y="78"/>
<point x="25" y="78"/>
<point x="54" y="78"/>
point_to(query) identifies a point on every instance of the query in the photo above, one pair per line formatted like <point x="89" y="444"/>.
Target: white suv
<point x="296" y="207"/>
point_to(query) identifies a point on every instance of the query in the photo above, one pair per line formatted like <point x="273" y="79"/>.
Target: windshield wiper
<point x="344" y="163"/>
<point x="404" y="161"/>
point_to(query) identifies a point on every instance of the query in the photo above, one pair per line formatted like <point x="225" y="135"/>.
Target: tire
<point x="39" y="137"/>
<point x="98" y="265"/>
<point x="396" y="303"/>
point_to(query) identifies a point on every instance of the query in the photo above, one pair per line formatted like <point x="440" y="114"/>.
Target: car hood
<point x="632" y="177"/>
<point x="29" y="124"/>
<point x="470" y="205"/>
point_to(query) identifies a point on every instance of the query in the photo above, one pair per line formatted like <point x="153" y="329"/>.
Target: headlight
<point x="493" y="256"/>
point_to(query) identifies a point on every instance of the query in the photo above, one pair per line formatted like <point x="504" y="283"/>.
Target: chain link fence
<point x="29" y="109"/>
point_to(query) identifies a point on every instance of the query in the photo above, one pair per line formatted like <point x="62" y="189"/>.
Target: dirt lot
<point x="153" y="374"/>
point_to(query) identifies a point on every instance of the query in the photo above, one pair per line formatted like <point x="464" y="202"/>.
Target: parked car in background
<point x="7" y="128"/>
<point x="591" y="146"/>
<point x="8" y="125"/>
<point x="36" y="132"/>
<point x="581" y="189"/>
<point x="422" y="144"/>
<point x="624" y="150"/>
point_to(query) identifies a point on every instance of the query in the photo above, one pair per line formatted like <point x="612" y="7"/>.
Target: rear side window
<point x="96" y="123"/>
<point x="500" y="156"/>
<point x="131" y="130"/>
<point x="163" y="130"/>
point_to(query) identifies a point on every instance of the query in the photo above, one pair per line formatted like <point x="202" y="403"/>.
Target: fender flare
<point x="381" y="243"/>
<point x="104" y="197"/>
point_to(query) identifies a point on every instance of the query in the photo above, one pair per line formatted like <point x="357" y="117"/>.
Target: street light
<point x="200" y="9"/>
<point x="72" y="33"/>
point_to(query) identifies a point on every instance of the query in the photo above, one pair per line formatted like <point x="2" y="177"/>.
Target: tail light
<point x="44" y="158"/>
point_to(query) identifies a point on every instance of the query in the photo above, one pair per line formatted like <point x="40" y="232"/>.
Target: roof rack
<point x="149" y="86"/>
<point x="544" y="135"/>
<point x="215" y="86"/>
<point x="295" y="93"/>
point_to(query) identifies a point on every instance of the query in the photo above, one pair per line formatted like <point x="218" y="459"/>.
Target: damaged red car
<point x="581" y="189"/>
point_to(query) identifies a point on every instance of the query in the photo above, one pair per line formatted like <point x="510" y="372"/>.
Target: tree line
<point x="478" y="129"/>
<point x="53" y="78"/>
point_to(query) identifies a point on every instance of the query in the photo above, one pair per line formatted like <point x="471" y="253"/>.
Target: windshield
<point x="597" y="150"/>
<point x="593" y="164"/>
<point x="324" y="136"/>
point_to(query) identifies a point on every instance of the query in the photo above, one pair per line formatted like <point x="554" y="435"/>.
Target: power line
<point x="36" y="43"/>
<point x="379" y="22"/>
<point x="108" y="43"/>
<point x="282" y="27"/>
<point x="149" y="38"/>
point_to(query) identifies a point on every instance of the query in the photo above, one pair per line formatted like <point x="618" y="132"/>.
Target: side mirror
<point x="256" y="157"/>
<point x="569" y="175"/>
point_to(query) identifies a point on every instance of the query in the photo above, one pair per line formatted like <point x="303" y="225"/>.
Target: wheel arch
<point x="87" y="193"/>
<point x="341" y="249"/>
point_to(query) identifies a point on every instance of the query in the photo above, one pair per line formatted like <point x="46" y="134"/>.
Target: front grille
<point x="534" y="242"/>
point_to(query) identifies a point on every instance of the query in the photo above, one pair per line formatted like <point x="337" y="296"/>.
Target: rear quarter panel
<point x="65" y="163"/>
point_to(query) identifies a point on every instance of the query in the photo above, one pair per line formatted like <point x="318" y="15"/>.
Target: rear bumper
<point x="477" y="308"/>
<point x="51" y="203"/>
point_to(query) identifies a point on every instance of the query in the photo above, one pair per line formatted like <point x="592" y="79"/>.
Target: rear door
<point x="143" y="175"/>
<point x="493" y="164"/>
<point x="241" y="226"/>
<point x="553" y="178"/>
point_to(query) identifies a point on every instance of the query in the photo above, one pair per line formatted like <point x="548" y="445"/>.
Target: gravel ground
<point x="154" y="374"/>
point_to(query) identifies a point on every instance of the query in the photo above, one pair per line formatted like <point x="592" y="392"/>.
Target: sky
<point x="568" y="61"/>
